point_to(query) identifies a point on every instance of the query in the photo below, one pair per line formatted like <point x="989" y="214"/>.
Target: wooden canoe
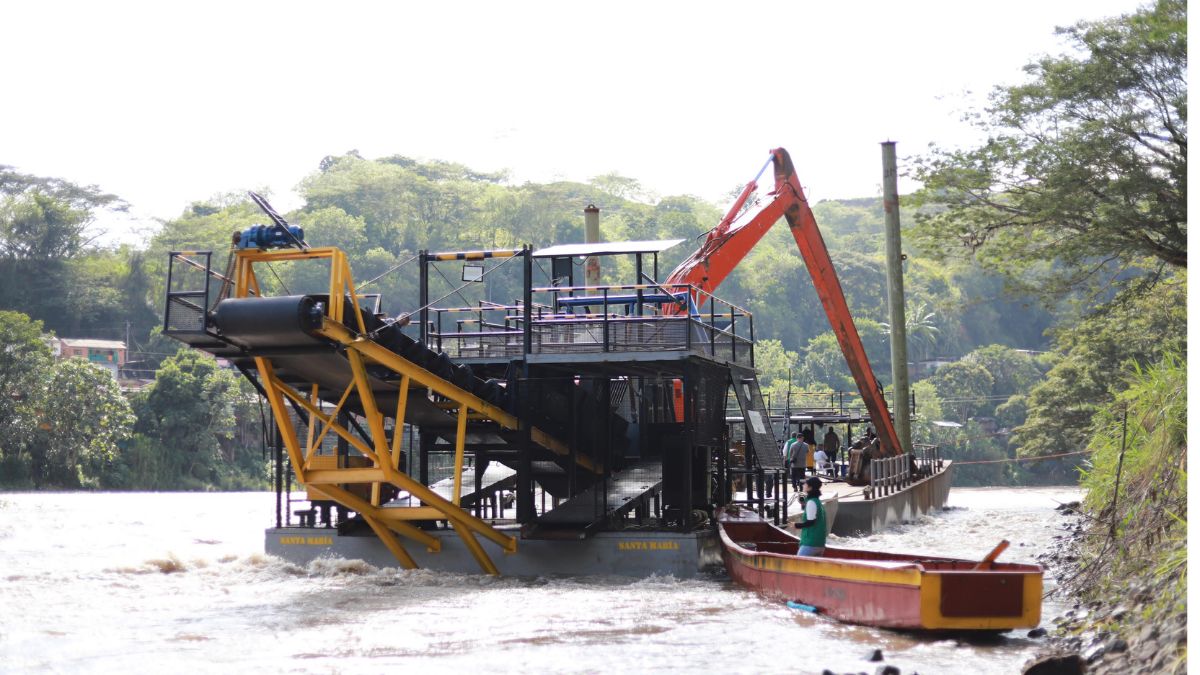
<point x="889" y="590"/>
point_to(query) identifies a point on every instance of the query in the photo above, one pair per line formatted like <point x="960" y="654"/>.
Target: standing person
<point x="821" y="460"/>
<point x="832" y="442"/>
<point x="809" y="435"/>
<point x="810" y="460"/>
<point x="796" y="457"/>
<point x="812" y="520"/>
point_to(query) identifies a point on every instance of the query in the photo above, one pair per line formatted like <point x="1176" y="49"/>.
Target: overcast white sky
<point x="167" y="103"/>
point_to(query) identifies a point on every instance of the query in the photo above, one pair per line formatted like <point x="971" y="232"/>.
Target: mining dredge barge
<point x="579" y="429"/>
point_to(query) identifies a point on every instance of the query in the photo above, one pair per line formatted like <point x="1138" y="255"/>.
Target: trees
<point x="824" y="363"/>
<point x="921" y="329"/>
<point x="1084" y="173"/>
<point x="44" y="218"/>
<point x="83" y="416"/>
<point x="188" y="413"/>
<point x="60" y="422"/>
<point x="24" y="358"/>
<point x="1096" y="354"/>
<point x="44" y="228"/>
<point x="775" y="367"/>
<point x="1012" y="372"/>
<point x="963" y="387"/>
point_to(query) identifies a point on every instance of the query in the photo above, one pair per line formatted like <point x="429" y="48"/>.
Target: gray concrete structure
<point x="864" y="516"/>
<point x="630" y="554"/>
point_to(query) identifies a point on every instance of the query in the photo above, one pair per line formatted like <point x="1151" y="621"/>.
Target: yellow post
<point x="389" y="540"/>
<point x="397" y="432"/>
<point x="312" y="428"/>
<point x="476" y="550"/>
<point x="460" y="442"/>
<point x="266" y="373"/>
<point x="333" y="416"/>
<point x="362" y="506"/>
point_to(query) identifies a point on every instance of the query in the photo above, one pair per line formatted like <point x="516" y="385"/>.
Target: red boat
<point x="889" y="590"/>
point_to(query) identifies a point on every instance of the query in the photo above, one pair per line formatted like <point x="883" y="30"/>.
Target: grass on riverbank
<point x="1135" y="548"/>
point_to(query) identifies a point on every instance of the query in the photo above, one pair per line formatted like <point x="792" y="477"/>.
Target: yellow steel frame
<point x="385" y="460"/>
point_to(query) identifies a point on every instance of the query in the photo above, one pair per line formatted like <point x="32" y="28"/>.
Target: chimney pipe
<point x="591" y="235"/>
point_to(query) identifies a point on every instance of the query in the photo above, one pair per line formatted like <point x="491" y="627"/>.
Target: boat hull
<point x="887" y="590"/>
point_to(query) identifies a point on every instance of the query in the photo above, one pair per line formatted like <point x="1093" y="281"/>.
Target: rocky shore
<point x="1134" y="625"/>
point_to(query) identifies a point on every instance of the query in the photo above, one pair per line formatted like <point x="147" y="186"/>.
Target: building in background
<point x="108" y="353"/>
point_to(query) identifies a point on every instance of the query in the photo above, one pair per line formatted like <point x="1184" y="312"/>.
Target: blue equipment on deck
<point x="631" y="299"/>
<point x="270" y="236"/>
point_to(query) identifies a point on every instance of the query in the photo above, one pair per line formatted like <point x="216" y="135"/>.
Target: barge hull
<point x="627" y="554"/>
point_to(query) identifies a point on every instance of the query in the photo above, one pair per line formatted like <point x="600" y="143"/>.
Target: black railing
<point x="567" y="323"/>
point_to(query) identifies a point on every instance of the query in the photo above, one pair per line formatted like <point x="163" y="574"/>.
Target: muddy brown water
<point x="144" y="582"/>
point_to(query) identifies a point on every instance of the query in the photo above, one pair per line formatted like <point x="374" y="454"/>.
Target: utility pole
<point x="895" y="286"/>
<point x="591" y="235"/>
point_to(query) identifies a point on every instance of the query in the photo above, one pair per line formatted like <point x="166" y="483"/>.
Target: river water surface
<point x="177" y="582"/>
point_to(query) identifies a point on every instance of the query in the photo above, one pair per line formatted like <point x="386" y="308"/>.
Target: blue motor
<point x="271" y="236"/>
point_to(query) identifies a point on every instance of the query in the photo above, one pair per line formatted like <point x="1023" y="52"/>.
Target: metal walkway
<point x="626" y="491"/>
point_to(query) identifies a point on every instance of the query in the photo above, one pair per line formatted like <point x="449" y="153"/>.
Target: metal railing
<point x="889" y="475"/>
<point x="592" y="319"/>
<point x="929" y="458"/>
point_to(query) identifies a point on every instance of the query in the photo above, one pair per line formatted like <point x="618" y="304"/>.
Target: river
<point x="177" y="582"/>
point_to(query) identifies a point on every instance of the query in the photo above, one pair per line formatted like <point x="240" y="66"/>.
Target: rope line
<point x="1023" y="459"/>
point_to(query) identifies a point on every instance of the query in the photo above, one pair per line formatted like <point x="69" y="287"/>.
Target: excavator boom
<point x="726" y="245"/>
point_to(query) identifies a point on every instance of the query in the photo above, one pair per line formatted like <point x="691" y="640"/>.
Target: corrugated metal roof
<point x="607" y="248"/>
<point x="92" y="344"/>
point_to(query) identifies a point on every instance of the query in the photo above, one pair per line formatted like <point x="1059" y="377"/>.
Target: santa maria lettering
<point x="309" y="541"/>
<point x="647" y="546"/>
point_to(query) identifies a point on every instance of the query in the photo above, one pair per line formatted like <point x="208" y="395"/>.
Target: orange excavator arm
<point x="727" y="244"/>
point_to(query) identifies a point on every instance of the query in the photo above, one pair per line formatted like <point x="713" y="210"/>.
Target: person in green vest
<point x="812" y="520"/>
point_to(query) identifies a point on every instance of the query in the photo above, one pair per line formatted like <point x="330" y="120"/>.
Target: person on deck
<point x="809" y="435"/>
<point x="812" y="520"/>
<point x="810" y="460"/>
<point x="821" y="460"/>
<point x="795" y="453"/>
<point x="831" y="443"/>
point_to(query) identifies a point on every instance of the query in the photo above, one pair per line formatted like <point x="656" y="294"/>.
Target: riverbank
<point x="1114" y="622"/>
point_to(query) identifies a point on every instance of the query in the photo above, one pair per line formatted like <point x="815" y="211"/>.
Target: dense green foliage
<point x="1089" y="366"/>
<point x="1136" y="483"/>
<point x="1078" y="195"/>
<point x="61" y="420"/>
<point x="66" y="423"/>
<point x="1083" y="177"/>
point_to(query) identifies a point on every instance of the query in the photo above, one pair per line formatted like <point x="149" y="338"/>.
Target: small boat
<point x="888" y="590"/>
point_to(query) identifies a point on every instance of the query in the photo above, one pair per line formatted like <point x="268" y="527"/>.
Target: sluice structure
<point x="586" y="425"/>
<point x="573" y="429"/>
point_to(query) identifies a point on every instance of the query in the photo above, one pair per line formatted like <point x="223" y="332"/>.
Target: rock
<point x="887" y="670"/>
<point x="1148" y="633"/>
<point x="1061" y="664"/>
<point x="828" y="672"/>
<point x="1118" y="646"/>
<point x="1094" y="653"/>
<point x="1037" y="632"/>
<point x="874" y="655"/>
